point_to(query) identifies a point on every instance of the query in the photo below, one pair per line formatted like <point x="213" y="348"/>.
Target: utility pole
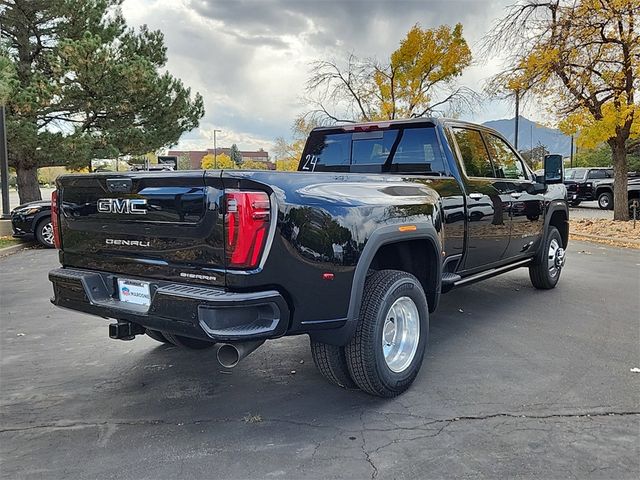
<point x="215" y="149"/>
<point x="4" y="166"/>
<point x="571" y="156"/>
<point x="517" y="117"/>
<point x="531" y="136"/>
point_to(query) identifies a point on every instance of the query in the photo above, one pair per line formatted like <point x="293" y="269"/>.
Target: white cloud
<point x="249" y="59"/>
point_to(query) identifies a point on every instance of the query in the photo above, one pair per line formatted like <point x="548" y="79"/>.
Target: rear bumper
<point x="182" y="309"/>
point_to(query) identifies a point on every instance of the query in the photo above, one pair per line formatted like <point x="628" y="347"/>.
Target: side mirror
<point x="553" y="169"/>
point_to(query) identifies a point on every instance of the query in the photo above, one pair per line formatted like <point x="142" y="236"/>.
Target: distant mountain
<point x="532" y="134"/>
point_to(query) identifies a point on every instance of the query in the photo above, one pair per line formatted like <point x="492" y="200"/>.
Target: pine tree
<point x="236" y="156"/>
<point x="84" y="85"/>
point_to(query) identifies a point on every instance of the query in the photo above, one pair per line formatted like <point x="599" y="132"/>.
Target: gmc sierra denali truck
<point x="353" y="250"/>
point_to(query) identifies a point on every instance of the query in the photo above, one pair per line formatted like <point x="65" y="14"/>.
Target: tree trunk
<point x="620" y="175"/>
<point x="28" y="188"/>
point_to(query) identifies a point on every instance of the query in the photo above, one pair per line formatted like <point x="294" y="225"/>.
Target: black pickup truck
<point x="353" y="250"/>
<point x="603" y="191"/>
<point x="580" y="182"/>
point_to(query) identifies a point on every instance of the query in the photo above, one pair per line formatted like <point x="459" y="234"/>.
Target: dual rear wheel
<point x="385" y="354"/>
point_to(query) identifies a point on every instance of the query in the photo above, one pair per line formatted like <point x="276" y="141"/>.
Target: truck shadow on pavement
<point x="280" y="381"/>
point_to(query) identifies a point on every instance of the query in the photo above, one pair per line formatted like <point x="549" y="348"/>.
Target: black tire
<point x="188" y="342"/>
<point x="44" y="232"/>
<point x="575" y="203"/>
<point x="157" y="336"/>
<point x="365" y="356"/>
<point x="605" y="201"/>
<point x="541" y="275"/>
<point x="332" y="363"/>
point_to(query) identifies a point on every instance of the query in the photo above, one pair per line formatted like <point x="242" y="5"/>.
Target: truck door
<point x="526" y="211"/>
<point x="487" y="203"/>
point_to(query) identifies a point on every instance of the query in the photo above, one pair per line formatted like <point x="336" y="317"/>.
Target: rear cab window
<point x="399" y="149"/>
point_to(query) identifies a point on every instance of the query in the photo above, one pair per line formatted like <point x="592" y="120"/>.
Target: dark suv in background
<point x="33" y="221"/>
<point x="579" y="182"/>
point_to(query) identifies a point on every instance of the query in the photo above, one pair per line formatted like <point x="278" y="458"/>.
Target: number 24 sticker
<point x="310" y="162"/>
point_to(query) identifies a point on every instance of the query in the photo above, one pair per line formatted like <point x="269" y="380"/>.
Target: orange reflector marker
<point x="408" y="228"/>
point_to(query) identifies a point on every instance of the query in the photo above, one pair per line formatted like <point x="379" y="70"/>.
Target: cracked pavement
<point x="516" y="383"/>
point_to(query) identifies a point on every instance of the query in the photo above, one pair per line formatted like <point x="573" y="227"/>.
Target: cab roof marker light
<point x="365" y="127"/>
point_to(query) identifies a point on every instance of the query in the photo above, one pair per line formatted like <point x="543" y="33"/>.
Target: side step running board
<point x="449" y="280"/>
<point x="452" y="280"/>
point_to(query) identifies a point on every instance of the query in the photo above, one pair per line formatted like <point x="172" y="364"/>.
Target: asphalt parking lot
<point x="589" y="210"/>
<point x="517" y="383"/>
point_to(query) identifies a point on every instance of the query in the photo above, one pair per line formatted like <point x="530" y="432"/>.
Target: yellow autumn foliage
<point x="287" y="165"/>
<point x="592" y="132"/>
<point x="426" y="58"/>
<point x="220" y="161"/>
<point x="580" y="59"/>
<point x="586" y="67"/>
<point x="254" y="165"/>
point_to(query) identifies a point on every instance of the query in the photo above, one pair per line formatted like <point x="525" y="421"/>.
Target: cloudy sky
<point x="250" y="58"/>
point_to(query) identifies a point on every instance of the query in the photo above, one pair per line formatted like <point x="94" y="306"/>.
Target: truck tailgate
<point x="159" y="225"/>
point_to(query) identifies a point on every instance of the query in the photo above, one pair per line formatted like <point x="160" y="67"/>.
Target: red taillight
<point x="55" y="218"/>
<point x="247" y="226"/>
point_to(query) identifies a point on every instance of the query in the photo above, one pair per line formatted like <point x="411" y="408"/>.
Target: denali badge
<point x="128" y="206"/>
<point x="129" y="243"/>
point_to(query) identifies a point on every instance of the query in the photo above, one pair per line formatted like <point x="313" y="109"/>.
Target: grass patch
<point x="8" y="242"/>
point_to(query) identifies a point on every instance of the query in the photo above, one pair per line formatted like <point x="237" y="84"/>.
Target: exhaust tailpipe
<point x="230" y="354"/>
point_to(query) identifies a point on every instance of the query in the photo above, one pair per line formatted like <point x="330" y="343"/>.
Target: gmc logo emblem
<point x="126" y="206"/>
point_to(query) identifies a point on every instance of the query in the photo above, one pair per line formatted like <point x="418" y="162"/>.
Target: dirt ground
<point x="607" y="231"/>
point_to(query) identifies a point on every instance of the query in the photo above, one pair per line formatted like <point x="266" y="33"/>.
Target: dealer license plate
<point x="133" y="291"/>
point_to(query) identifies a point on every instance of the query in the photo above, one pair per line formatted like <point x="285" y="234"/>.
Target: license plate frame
<point x="135" y="292"/>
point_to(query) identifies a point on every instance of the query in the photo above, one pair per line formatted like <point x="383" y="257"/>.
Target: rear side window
<point x="418" y="150"/>
<point x="505" y="162"/>
<point x="474" y="153"/>
<point x="327" y="151"/>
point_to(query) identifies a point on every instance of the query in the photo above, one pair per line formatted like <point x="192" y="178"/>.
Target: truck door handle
<point x="476" y="196"/>
<point x="516" y="194"/>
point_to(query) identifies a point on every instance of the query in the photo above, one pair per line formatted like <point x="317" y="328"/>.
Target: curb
<point x="12" y="249"/>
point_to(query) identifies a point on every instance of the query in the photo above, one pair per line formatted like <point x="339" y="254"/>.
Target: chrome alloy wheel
<point x="47" y="233"/>
<point x="555" y="258"/>
<point x="401" y="334"/>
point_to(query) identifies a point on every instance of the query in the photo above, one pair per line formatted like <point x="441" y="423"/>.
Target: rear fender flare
<point x="601" y="189"/>
<point x="382" y="236"/>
